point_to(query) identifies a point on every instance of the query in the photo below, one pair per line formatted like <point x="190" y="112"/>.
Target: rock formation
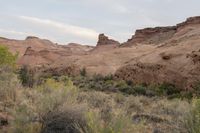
<point x="104" y="40"/>
<point x="159" y="35"/>
<point x="152" y="35"/>
<point x="153" y="55"/>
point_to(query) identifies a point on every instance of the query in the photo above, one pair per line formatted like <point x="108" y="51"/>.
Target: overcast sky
<point x="81" y="21"/>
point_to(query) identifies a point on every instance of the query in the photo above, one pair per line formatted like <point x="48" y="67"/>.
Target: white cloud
<point x="62" y="27"/>
<point x="13" y="32"/>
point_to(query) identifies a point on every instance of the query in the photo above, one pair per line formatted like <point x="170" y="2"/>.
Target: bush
<point x="34" y="105"/>
<point x="97" y="77"/>
<point x="124" y="87"/>
<point x="6" y="57"/>
<point x="167" y="89"/>
<point x="117" y="124"/>
<point x="55" y="94"/>
<point x="197" y="89"/>
<point x="67" y="120"/>
<point x="193" y="119"/>
<point x="140" y="90"/>
<point x="9" y="85"/>
<point x="26" y="76"/>
<point x="25" y="119"/>
<point x="83" y="72"/>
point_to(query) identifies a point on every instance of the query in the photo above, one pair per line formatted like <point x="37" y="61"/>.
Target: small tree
<point x="6" y="57"/>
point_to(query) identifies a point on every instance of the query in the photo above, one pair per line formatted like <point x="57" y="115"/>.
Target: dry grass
<point x="59" y="105"/>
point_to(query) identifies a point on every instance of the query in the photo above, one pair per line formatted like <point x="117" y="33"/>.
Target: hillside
<point x="153" y="55"/>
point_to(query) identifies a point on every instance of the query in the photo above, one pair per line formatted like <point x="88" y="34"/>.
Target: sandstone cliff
<point x="159" y="35"/>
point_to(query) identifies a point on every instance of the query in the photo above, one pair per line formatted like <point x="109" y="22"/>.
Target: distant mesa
<point x="104" y="40"/>
<point x="31" y="37"/>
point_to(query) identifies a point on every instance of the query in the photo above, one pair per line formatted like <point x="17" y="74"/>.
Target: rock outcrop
<point x="159" y="35"/>
<point x="152" y="35"/>
<point x="189" y="21"/>
<point x="104" y="40"/>
<point x="151" y="73"/>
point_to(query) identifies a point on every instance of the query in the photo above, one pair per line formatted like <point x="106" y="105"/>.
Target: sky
<point x="81" y="21"/>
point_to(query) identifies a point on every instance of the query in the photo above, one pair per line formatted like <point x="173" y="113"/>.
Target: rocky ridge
<point x="153" y="55"/>
<point x="159" y="35"/>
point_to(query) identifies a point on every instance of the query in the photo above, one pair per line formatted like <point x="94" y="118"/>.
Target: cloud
<point x="13" y="32"/>
<point x="63" y="27"/>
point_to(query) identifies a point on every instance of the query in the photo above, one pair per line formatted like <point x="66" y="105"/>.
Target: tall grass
<point x="193" y="118"/>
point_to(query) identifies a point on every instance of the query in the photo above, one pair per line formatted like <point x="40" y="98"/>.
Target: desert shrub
<point x="119" y="123"/>
<point x="97" y="77"/>
<point x="197" y="89"/>
<point x="119" y="98"/>
<point x="9" y="85"/>
<point x="109" y="83"/>
<point x="8" y="80"/>
<point x="167" y="89"/>
<point x="66" y="120"/>
<point x="109" y="77"/>
<point x="83" y="72"/>
<point x="34" y="105"/>
<point x="6" y="57"/>
<point x="140" y="90"/>
<point x="25" y="118"/>
<point x="129" y="82"/>
<point x="192" y="121"/>
<point x="124" y="87"/>
<point x="26" y="76"/>
<point x="54" y="94"/>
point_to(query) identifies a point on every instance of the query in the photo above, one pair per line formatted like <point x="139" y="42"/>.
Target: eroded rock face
<point x="104" y="40"/>
<point x="159" y="35"/>
<point x="152" y="35"/>
<point x="151" y="74"/>
<point x="190" y="21"/>
<point x="70" y="70"/>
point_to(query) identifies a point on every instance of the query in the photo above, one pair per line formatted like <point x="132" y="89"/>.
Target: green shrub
<point x="6" y="57"/>
<point x="123" y="87"/>
<point x="26" y="76"/>
<point x="9" y="85"/>
<point x="97" y="77"/>
<point x="140" y="90"/>
<point x="167" y="89"/>
<point x="117" y="124"/>
<point x="108" y="77"/>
